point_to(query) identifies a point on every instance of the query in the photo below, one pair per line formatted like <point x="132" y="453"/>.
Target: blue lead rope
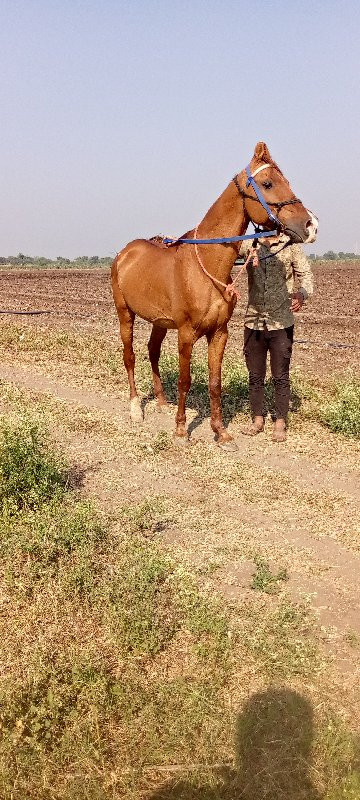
<point x="224" y="239"/>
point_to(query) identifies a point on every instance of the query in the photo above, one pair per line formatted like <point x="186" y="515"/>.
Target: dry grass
<point x="122" y="666"/>
<point x="98" y="612"/>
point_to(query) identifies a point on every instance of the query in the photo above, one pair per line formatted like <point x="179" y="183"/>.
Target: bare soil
<point x="326" y="329"/>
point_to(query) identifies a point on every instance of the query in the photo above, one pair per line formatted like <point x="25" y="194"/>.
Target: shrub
<point x="342" y="414"/>
<point x="59" y="541"/>
<point x="139" y="599"/>
<point x="266" y="581"/>
<point x="31" y="473"/>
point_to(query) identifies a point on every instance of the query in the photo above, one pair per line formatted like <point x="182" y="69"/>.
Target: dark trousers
<point x="256" y="347"/>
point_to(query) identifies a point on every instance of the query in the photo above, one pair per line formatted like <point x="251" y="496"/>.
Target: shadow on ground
<point x="235" y="392"/>
<point x="273" y="744"/>
<point x="77" y="474"/>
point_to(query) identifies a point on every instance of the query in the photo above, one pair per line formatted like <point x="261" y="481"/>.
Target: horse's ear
<point x="261" y="152"/>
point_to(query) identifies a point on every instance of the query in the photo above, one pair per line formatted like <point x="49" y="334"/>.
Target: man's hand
<point x="297" y="301"/>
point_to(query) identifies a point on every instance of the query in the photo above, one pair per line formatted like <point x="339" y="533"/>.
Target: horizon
<point x="25" y="258"/>
<point x="124" y="119"/>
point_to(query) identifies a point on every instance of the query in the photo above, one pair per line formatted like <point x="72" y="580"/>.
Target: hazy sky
<point x="124" y="119"/>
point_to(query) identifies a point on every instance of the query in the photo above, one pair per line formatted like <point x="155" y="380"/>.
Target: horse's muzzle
<point x="295" y="236"/>
<point x="303" y="232"/>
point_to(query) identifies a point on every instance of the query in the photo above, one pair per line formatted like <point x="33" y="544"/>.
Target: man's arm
<point x="244" y="249"/>
<point x="303" y="276"/>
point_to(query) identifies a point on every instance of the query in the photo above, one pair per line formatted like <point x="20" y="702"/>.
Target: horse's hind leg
<point x="126" y="319"/>
<point x="154" y="346"/>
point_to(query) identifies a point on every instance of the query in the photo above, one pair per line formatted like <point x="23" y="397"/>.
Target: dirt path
<point x="323" y="567"/>
<point x="308" y="474"/>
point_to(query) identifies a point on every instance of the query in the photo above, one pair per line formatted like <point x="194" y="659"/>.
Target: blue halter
<point x="252" y="182"/>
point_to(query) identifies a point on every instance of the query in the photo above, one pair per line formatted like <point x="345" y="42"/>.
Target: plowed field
<point x="326" y="330"/>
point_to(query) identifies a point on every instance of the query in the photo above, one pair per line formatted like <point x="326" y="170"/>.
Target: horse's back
<point x="142" y="279"/>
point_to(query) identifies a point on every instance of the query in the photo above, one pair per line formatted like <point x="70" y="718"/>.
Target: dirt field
<point x="79" y="298"/>
<point x="294" y="506"/>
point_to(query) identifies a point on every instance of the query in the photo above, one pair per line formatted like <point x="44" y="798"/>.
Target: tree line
<point x="330" y="255"/>
<point x="22" y="260"/>
<point x="88" y="262"/>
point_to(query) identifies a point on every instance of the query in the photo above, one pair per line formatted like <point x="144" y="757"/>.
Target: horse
<point x="175" y="288"/>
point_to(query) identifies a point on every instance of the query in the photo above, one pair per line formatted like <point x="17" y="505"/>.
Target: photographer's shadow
<point x="273" y="744"/>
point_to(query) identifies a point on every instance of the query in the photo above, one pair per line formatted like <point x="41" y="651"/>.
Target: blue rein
<point x="228" y="239"/>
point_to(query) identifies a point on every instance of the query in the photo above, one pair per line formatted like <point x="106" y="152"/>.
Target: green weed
<point x="35" y="712"/>
<point x="352" y="638"/>
<point x="138" y="599"/>
<point x="59" y="541"/>
<point x="281" y="640"/>
<point x="161" y="442"/>
<point x="31" y="472"/>
<point x="338" y="751"/>
<point x="266" y="581"/>
<point x="205" y="620"/>
<point x="347" y="789"/>
<point x="342" y="414"/>
<point x="145" y="516"/>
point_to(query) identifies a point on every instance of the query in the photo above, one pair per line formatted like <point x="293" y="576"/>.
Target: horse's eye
<point x="267" y="185"/>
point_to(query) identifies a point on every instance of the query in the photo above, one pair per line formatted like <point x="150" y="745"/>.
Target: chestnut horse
<point x="174" y="288"/>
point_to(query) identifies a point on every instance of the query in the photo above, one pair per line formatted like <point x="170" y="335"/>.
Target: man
<point x="278" y="287"/>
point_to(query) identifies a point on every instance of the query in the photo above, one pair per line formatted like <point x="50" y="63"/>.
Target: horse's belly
<point x="143" y="304"/>
<point x="145" y="291"/>
<point x="158" y="319"/>
<point x="144" y="283"/>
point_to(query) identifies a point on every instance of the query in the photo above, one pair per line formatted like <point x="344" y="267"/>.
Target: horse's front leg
<point x="186" y="343"/>
<point x="216" y="345"/>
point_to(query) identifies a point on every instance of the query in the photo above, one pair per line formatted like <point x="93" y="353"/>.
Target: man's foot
<point x="279" y="432"/>
<point x="255" y="427"/>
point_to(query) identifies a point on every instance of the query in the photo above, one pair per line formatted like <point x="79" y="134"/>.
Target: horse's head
<point x="275" y="205"/>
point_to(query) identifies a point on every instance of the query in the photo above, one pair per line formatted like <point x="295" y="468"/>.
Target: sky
<point x="125" y="119"/>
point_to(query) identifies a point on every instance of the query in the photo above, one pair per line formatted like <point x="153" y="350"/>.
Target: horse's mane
<point x="274" y="164"/>
<point x="157" y="240"/>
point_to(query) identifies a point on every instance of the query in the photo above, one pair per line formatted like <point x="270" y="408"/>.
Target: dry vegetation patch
<point x="121" y="667"/>
<point x="160" y="635"/>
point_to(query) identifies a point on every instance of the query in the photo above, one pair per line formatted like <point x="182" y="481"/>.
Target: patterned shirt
<point x="273" y="282"/>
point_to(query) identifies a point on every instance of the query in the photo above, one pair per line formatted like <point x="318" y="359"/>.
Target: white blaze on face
<point x="312" y="228"/>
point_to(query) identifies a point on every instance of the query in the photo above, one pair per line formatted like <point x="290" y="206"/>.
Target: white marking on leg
<point x="136" y="413"/>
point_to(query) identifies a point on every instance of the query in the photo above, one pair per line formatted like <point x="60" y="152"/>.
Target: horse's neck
<point x="225" y="218"/>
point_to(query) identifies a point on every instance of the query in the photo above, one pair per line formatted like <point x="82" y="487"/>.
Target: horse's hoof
<point x="183" y="441"/>
<point x="163" y="408"/>
<point x="136" y="414"/>
<point x="228" y="444"/>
